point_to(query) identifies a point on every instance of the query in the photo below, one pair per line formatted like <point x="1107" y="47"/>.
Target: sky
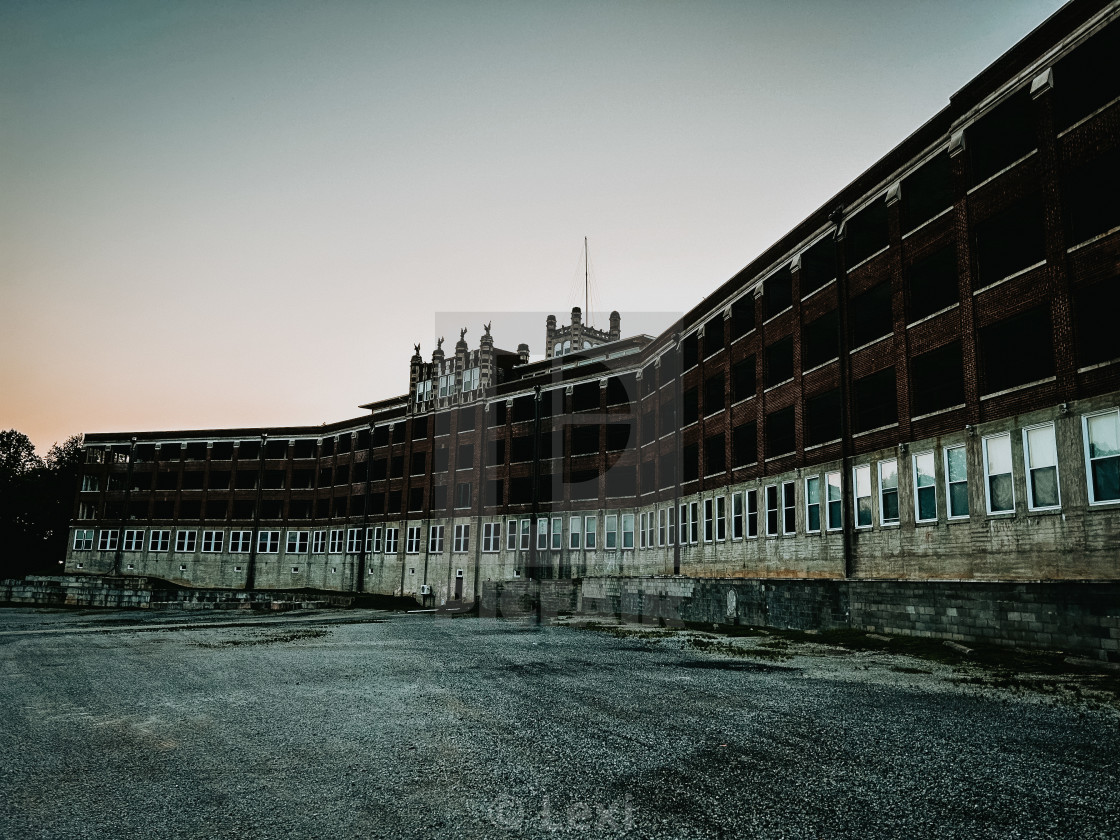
<point x="220" y="214"/>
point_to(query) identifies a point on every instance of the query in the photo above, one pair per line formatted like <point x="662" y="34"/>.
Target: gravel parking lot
<point x="367" y="724"/>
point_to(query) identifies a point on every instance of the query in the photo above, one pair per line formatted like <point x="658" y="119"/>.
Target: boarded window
<point x="937" y="379"/>
<point x="875" y="401"/>
<point x="1016" y="350"/>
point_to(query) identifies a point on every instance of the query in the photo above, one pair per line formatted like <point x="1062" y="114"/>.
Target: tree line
<point x="36" y="503"/>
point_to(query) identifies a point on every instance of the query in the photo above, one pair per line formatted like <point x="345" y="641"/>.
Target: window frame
<point x="626" y="526"/>
<point x="988" y="476"/>
<point x="435" y="539"/>
<point x="1089" y="459"/>
<point x="392" y="539"/>
<point x="526" y="534"/>
<point x="709" y="520"/>
<point x="462" y="540"/>
<point x="108" y="539"/>
<point x="319" y="541"/>
<point x="83" y="539"/>
<point x="268" y="542"/>
<point x="134" y="540"/>
<point x="810" y="504"/>
<point x="511" y="535"/>
<point x="918" y="488"/>
<point x="412" y="540"/>
<point x="774" y="509"/>
<point x="610" y="531"/>
<point x="575" y="533"/>
<point x="884" y="491"/>
<point x="590" y="532"/>
<point x="337" y="541"/>
<point x="789" y="508"/>
<point x="210" y="545"/>
<point x="159" y="540"/>
<point x="870" y="495"/>
<point x="751" y="512"/>
<point x="556" y="534"/>
<point x="721" y="519"/>
<point x="839" y="500"/>
<point x="693" y="523"/>
<point x="949" y="483"/>
<point x="1028" y="469"/>
<point x="354" y="540"/>
<point x="542" y="533"/>
<point x="189" y="541"/>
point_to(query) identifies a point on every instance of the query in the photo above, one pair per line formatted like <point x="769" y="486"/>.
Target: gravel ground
<point x="365" y="724"/>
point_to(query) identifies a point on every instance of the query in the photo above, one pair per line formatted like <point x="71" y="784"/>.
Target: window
<point x="1102" y="451"/>
<point x="557" y="533"/>
<point x="778" y="358"/>
<point x="820" y="340"/>
<point x="391" y="537"/>
<point x="752" y="513"/>
<point x="813" y="504"/>
<point x="575" y="532"/>
<point x="694" y="522"/>
<point x="789" y="508"/>
<point x="998" y="485"/>
<point x="866" y="232"/>
<point x="861" y="477"/>
<point x="713" y="394"/>
<point x="823" y="414"/>
<point x="511" y="535"/>
<point x="526" y="525"/>
<point x="542" y="534"/>
<point x="777" y="292"/>
<point x="715" y="460"/>
<point x="781" y="432"/>
<point x="661" y="520"/>
<point x="1040" y="451"/>
<point x="721" y="518"/>
<point x="876" y="401"/>
<point x="649" y="530"/>
<point x="435" y="539"/>
<point x="736" y="516"/>
<point x="134" y="541"/>
<point x="1009" y="241"/>
<point x="186" y="540"/>
<point x="90" y="483"/>
<point x="1007" y="359"/>
<point x="318" y="542"/>
<point x="835" y="501"/>
<point x="772" y="510"/>
<point x="744" y="444"/>
<point x="937" y="379"/>
<point x="590" y="523"/>
<point x="869" y="315"/>
<point x="642" y="530"/>
<point x="373" y="540"/>
<point x="931" y="284"/>
<point x="627" y="530"/>
<point x="268" y="542"/>
<point x="353" y="540"/>
<point x="470" y="379"/>
<point x="671" y="518"/>
<point x="211" y="542"/>
<point x="107" y="540"/>
<point x="888" y="492"/>
<point x="956" y="482"/>
<point x="925" y="488"/>
<point x="462" y="538"/>
<point x="83" y="538"/>
<point x="463" y="494"/>
<point x="412" y="540"/>
<point x="336" y="543"/>
<point x="610" y="530"/>
<point x="743" y="382"/>
<point x="684" y="524"/>
<point x="926" y="191"/>
<point x="1001" y="137"/>
<point x="709" y="523"/>
<point x="1095" y="307"/>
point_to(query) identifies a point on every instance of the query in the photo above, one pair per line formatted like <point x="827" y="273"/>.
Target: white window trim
<point x="575" y="533"/>
<point x="790" y="507"/>
<point x="748" y="497"/>
<point x="1115" y="412"/>
<point x="883" y="521"/>
<point x="828" y="526"/>
<point x="721" y="519"/>
<point x="623" y="531"/>
<point x="914" y="470"/>
<point x="777" y="509"/>
<point x="949" y="515"/>
<point x="987" y="477"/>
<point x="590" y="533"/>
<point x="856" y="496"/>
<point x="808" y="504"/>
<point x="709" y="532"/>
<point x="1027" y="467"/>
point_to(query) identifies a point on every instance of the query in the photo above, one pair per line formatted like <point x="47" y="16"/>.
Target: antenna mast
<point x="586" y="287"/>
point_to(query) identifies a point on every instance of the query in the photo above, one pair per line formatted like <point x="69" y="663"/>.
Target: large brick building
<point x="920" y="381"/>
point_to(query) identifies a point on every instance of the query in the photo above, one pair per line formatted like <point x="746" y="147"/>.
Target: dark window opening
<point x="1095" y="333"/>
<point x="690" y="458"/>
<point x="621" y="389"/>
<point x="246" y="451"/>
<point x="927" y="191"/>
<point x="419" y="463"/>
<point x="618" y="434"/>
<point x="466" y="419"/>
<point x="496" y="453"/>
<point x="359" y="472"/>
<point x="1092" y="198"/>
<point x="585" y="440"/>
<point x="187" y="510"/>
<point x="464" y="456"/>
<point x="691" y="406"/>
<point x="585" y="396"/>
<point x="222" y="451"/>
<point x="196" y="451"/>
<point x="244" y="480"/>
<point x="690" y="351"/>
<point x="777" y="292"/>
<point x="1088" y="78"/>
<point x="779" y="361"/>
<point x="394" y="503"/>
<point x="866" y="232"/>
<point x="327" y="448"/>
<point x="931" y="284"/>
<point x="668" y="468"/>
<point x="276" y="449"/>
<point x="743" y="382"/>
<point x="818" y="265"/>
<point x="495" y="492"/>
<point x="522" y="409"/>
<point x="416" y="498"/>
<point x="937" y="379"/>
<point x="714" y="335"/>
<point x="649" y="428"/>
<point x="439" y="498"/>
<point x="742" y="316"/>
<point x="713" y="394"/>
<point x="273" y="479"/>
<point x="820" y="340"/>
<point x="497" y="414"/>
<point x="622" y="481"/>
<point x="870" y="314"/>
<point x="303" y="479"/>
<point x="1000" y="138"/>
<point x="521" y="449"/>
<point x="781" y="434"/>
<point x="191" y="481"/>
<point x="875" y="401"/>
<point x="521" y="490"/>
<point x="216" y="508"/>
<point x="584" y="484"/>
<point x="667" y="418"/>
<point x="463" y="494"/>
<point x="381" y="436"/>
<point x="396" y="467"/>
<point x="715" y="456"/>
<point x="823" y="417"/>
<point x="443" y="423"/>
<point x="1010" y="241"/>
<point x="1016" y="350"/>
<point x="649" y="476"/>
<point x="440" y="459"/>
<point x="377" y="469"/>
<point x="744" y="444"/>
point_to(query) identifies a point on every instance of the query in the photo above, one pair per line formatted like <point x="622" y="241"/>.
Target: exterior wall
<point x="637" y="427"/>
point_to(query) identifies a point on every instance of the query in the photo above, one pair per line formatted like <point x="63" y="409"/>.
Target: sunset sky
<point x="246" y="213"/>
